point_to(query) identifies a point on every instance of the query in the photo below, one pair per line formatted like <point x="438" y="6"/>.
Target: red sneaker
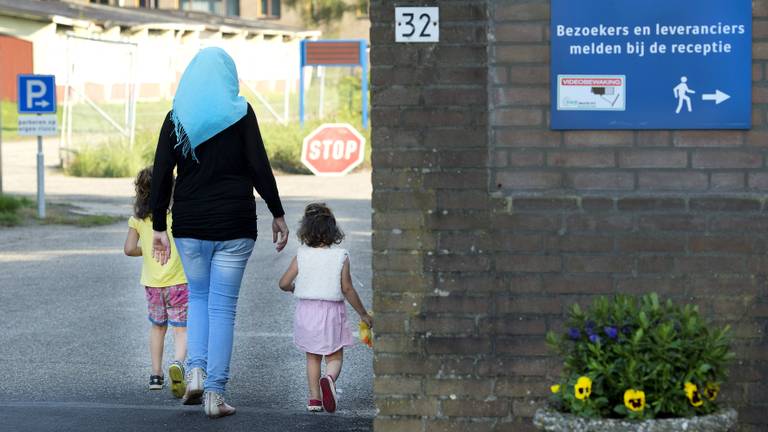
<point x="329" y="393"/>
<point x="314" y="405"/>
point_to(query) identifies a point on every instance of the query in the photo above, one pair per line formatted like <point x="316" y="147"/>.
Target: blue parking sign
<point x="655" y="64"/>
<point x="37" y="94"/>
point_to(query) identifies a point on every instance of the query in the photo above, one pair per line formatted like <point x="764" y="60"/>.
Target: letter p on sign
<point x="35" y="91"/>
<point x="333" y="149"/>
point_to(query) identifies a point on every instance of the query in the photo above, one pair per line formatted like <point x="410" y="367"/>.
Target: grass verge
<point x="11" y="209"/>
<point x="18" y="211"/>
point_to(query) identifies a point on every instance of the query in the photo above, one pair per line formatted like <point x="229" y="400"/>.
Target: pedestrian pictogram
<point x="681" y="92"/>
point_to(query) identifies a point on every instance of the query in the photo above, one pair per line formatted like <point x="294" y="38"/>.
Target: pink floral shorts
<point x="168" y="305"/>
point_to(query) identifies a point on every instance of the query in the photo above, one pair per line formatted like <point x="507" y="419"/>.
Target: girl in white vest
<point x="319" y="276"/>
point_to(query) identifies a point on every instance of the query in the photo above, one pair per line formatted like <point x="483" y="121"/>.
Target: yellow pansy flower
<point x="711" y="390"/>
<point x="555" y="388"/>
<point x="692" y="393"/>
<point x="634" y="400"/>
<point x="583" y="388"/>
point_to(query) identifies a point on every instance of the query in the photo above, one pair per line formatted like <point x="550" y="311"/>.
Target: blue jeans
<point x="214" y="272"/>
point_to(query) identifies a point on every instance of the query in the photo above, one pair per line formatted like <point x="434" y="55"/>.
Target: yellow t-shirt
<point x="152" y="273"/>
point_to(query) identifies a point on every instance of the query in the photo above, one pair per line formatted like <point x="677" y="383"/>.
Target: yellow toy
<point x="366" y="336"/>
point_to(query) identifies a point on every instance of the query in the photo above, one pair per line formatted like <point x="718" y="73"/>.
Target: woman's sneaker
<point x="215" y="407"/>
<point x="176" y="373"/>
<point x="194" y="392"/>
<point x="328" y="389"/>
<point x="314" y="405"/>
<point x="155" y="382"/>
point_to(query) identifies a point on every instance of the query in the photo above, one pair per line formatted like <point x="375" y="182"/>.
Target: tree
<point x="324" y="12"/>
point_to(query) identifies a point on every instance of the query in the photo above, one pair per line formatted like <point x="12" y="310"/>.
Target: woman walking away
<point x="323" y="280"/>
<point x="164" y="286"/>
<point x="212" y="138"/>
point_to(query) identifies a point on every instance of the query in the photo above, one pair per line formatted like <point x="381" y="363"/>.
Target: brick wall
<point x="487" y="225"/>
<point x="682" y="213"/>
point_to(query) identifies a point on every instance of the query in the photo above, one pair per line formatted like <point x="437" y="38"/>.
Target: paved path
<point x="73" y="347"/>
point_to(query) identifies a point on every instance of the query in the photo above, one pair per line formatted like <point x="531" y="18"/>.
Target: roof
<point x="111" y="16"/>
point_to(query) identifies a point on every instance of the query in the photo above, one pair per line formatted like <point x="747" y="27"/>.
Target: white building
<point x="104" y="53"/>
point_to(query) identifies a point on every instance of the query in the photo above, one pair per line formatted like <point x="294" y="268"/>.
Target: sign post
<point x="333" y="53"/>
<point x="657" y="64"/>
<point x="333" y="149"/>
<point x="1" y="145"/>
<point x="37" y="96"/>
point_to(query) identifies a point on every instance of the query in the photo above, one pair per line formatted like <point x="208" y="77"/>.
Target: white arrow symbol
<point x="42" y="103"/>
<point x="718" y="97"/>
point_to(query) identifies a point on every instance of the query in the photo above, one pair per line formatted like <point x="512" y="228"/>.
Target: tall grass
<point x="113" y="158"/>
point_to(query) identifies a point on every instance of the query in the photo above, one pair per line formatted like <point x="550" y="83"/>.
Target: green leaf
<point x="576" y="310"/>
<point x="638" y="336"/>
<point x="643" y="319"/>
<point x="552" y="339"/>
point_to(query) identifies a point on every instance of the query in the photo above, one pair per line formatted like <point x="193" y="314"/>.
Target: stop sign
<point x="333" y="149"/>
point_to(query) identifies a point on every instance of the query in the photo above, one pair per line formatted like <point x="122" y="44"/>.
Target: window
<point x="218" y="7"/>
<point x="270" y="9"/>
<point x="104" y="2"/>
<point x="150" y="4"/>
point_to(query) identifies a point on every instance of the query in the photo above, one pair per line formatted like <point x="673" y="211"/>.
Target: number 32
<point x="409" y="22"/>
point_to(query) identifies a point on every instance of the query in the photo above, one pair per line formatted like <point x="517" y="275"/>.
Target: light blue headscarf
<point x="207" y="100"/>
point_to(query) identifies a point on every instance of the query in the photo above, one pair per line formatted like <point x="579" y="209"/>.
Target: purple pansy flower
<point x="594" y="338"/>
<point x="574" y="333"/>
<point x="611" y="332"/>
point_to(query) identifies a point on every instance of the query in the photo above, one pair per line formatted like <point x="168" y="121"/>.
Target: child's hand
<point x="367" y="319"/>
<point x="161" y="247"/>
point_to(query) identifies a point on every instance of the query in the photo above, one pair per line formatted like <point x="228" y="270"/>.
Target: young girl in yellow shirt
<point x="165" y="287"/>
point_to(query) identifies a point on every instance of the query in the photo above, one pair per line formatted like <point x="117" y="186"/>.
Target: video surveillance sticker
<point x="591" y="92"/>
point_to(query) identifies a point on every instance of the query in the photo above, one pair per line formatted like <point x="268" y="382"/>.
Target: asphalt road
<point x="73" y="339"/>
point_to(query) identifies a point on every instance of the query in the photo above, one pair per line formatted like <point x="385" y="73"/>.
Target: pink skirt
<point x="320" y="326"/>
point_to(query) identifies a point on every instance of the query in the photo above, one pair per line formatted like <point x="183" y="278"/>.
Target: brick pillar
<point x="430" y="152"/>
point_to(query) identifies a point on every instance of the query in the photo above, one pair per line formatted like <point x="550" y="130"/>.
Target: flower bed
<point x="639" y="359"/>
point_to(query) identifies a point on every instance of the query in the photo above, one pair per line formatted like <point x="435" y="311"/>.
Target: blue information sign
<point x="37" y="94"/>
<point x="655" y="64"/>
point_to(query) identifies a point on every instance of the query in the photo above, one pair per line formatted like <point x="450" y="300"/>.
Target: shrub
<point x="10" y="208"/>
<point x="639" y="358"/>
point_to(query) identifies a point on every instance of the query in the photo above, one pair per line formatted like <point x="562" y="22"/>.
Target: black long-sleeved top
<point x="213" y="197"/>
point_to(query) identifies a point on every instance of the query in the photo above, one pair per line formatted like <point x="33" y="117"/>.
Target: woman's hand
<point x="161" y="247"/>
<point x="367" y="319"/>
<point x="279" y="233"/>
